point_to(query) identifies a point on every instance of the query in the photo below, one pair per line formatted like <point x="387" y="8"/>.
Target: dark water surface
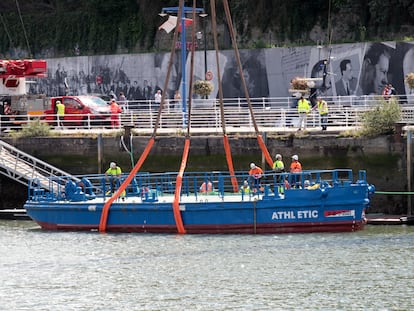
<point x="366" y="270"/>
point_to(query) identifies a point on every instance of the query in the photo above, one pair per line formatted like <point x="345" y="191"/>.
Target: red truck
<point x="79" y="110"/>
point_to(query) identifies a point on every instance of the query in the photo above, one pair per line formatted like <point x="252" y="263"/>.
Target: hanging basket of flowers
<point x="409" y="80"/>
<point x="300" y="85"/>
<point x="203" y="87"/>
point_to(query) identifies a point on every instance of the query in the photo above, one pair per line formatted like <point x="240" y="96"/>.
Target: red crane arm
<point x="22" y="68"/>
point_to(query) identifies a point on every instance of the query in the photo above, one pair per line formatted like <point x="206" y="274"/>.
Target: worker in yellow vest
<point x="322" y="107"/>
<point x="303" y="109"/>
<point x="113" y="176"/>
<point x="60" y="113"/>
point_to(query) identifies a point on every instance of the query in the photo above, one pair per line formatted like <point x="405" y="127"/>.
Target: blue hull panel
<point x="299" y="211"/>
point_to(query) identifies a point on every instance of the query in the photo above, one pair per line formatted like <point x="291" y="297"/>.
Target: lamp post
<point x="204" y="15"/>
<point x="185" y="10"/>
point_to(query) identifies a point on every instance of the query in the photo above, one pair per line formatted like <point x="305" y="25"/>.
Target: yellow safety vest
<point x="303" y="106"/>
<point x="60" y="109"/>
<point x="278" y="165"/>
<point x="322" y="107"/>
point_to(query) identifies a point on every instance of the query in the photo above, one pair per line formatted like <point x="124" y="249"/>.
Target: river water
<point x="366" y="270"/>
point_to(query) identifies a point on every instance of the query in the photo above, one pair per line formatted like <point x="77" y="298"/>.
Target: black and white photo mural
<point x="340" y="70"/>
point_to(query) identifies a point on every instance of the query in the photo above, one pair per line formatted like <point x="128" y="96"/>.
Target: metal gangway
<point x="25" y="168"/>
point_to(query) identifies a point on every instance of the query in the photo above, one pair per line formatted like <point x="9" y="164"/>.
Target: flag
<point x="187" y="22"/>
<point x="170" y="24"/>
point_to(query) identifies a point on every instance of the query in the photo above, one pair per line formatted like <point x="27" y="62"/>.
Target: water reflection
<point x="366" y="270"/>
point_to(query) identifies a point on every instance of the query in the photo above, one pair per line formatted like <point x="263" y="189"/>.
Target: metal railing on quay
<point x="271" y="114"/>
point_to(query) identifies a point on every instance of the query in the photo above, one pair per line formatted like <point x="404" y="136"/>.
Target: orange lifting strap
<point x="178" y="184"/>
<point x="123" y="186"/>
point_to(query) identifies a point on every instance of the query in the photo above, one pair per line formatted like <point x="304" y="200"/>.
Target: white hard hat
<point x="278" y="156"/>
<point x="112" y="165"/>
<point x="295" y="157"/>
<point x="252" y="165"/>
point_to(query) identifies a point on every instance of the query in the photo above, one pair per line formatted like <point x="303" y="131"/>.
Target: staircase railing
<point x="25" y="168"/>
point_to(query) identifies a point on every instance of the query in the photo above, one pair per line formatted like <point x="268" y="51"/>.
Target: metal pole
<point x="183" y="73"/>
<point x="183" y="55"/>
<point x="409" y="172"/>
<point x="205" y="44"/>
<point x="100" y="153"/>
<point x="205" y="49"/>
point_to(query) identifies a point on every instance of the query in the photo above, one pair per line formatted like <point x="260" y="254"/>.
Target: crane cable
<point x="7" y="31"/>
<point x="223" y="119"/>
<point x="237" y="54"/>
<point x="24" y="29"/>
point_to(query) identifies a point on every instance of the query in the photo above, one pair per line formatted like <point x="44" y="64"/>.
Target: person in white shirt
<point x="157" y="99"/>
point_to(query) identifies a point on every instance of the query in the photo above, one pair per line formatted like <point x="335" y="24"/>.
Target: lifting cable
<point x="246" y="92"/>
<point x="24" y="29"/>
<point x="105" y="211"/>
<point x="7" y="32"/>
<point x="223" y="120"/>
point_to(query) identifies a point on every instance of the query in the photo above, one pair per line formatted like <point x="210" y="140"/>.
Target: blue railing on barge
<point x="151" y="185"/>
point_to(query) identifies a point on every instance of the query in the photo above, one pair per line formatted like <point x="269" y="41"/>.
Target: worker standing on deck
<point x="278" y="165"/>
<point x="295" y="167"/>
<point x="256" y="173"/>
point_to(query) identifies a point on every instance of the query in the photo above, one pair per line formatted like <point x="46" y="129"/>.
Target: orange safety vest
<point x="256" y="172"/>
<point x="295" y="167"/>
<point x="115" y="109"/>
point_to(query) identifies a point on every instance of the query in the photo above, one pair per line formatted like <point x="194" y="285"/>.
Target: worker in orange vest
<point x="256" y="173"/>
<point x="295" y="166"/>
<point x="115" y="111"/>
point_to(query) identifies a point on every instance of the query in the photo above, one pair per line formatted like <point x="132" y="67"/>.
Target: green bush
<point x="35" y="128"/>
<point x="381" y="119"/>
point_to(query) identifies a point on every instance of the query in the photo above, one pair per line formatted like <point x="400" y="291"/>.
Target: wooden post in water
<point x="409" y="170"/>
<point x="100" y="153"/>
